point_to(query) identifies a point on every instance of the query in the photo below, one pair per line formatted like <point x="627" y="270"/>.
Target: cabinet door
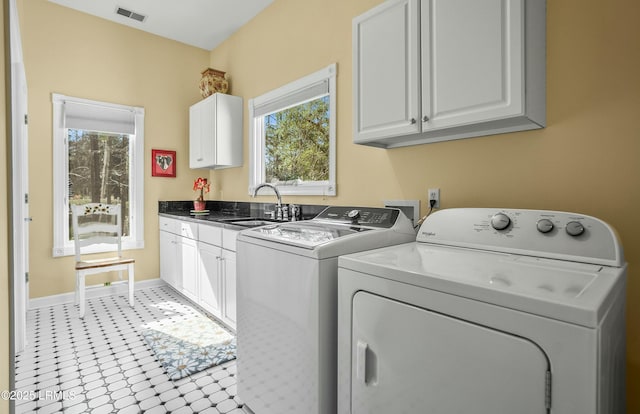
<point x="472" y="61"/>
<point x="215" y="132"/>
<point x="168" y="254"/>
<point x="195" y="139"/>
<point x="229" y="283"/>
<point x="386" y="88"/>
<point x="169" y="225"/>
<point x="229" y="238"/>
<point x="188" y="262"/>
<point x="209" y="275"/>
<point x="406" y="358"/>
<point x="202" y="121"/>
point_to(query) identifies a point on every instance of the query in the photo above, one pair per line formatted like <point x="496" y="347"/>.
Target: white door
<point x="202" y="122"/>
<point x="209" y="274"/>
<point x="411" y="360"/>
<point x="472" y="61"/>
<point x="168" y="258"/>
<point x="188" y="251"/>
<point x="196" y="159"/>
<point x="20" y="183"/>
<point x="386" y="89"/>
<point x="229" y="274"/>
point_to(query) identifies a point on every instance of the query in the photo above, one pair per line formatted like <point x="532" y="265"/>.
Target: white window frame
<point x="62" y="245"/>
<point x="256" y="135"/>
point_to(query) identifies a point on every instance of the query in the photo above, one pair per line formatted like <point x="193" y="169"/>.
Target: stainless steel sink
<point x="250" y="221"/>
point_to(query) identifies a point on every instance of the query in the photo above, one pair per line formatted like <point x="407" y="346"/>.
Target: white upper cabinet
<point x="434" y="70"/>
<point x="215" y="132"/>
<point x="386" y="69"/>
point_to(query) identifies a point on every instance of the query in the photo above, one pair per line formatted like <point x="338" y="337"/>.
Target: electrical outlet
<point x="434" y="194"/>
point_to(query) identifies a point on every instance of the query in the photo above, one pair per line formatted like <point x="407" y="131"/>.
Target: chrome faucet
<point x="279" y="205"/>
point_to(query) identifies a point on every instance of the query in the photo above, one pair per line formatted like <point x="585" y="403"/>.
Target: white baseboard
<point x="98" y="292"/>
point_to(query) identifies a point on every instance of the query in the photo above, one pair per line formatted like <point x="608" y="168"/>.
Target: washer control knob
<point x="544" y="225"/>
<point x="500" y="221"/>
<point x="574" y="228"/>
<point x="354" y="215"/>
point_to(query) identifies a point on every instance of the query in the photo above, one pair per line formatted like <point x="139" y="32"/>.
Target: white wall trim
<point x="62" y="244"/>
<point x="99" y="292"/>
<point x="256" y="143"/>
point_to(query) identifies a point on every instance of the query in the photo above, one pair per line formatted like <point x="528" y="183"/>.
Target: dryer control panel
<point x="540" y="233"/>
<point x="363" y="216"/>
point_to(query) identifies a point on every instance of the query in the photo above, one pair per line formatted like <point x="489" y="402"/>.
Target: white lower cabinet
<point x="188" y="266"/>
<point x="199" y="261"/>
<point x="169" y="259"/>
<point x="229" y="283"/>
<point x="178" y="255"/>
<point x="209" y="277"/>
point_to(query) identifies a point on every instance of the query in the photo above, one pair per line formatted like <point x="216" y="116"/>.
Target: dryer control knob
<point x="500" y="221"/>
<point x="574" y="228"/>
<point x="354" y="215"/>
<point x="544" y="225"/>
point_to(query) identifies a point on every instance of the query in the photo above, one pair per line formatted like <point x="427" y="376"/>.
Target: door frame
<point x="19" y="187"/>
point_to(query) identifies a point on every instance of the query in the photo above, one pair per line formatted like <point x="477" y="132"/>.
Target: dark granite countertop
<point x="221" y="212"/>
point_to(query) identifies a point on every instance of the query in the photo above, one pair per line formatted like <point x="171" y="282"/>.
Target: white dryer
<point x="489" y="311"/>
<point x="287" y="304"/>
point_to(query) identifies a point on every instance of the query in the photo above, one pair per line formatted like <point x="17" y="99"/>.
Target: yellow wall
<point x="80" y="55"/>
<point x="586" y="160"/>
<point x="4" y="219"/>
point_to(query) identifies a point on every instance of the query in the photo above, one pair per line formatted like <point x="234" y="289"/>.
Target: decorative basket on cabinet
<point x="213" y="81"/>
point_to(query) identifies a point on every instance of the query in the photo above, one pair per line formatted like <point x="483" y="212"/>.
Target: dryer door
<point x="411" y="360"/>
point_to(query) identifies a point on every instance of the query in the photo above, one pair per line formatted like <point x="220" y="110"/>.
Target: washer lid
<point x="577" y="293"/>
<point x="338" y="230"/>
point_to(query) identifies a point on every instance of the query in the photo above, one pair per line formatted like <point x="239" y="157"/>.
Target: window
<point x="98" y="151"/>
<point x="292" y="136"/>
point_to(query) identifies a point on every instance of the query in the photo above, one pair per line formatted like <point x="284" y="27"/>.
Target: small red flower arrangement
<point x="203" y="185"/>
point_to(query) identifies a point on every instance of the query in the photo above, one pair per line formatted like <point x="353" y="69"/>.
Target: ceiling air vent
<point x="130" y="14"/>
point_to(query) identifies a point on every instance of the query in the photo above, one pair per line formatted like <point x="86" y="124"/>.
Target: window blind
<point x="293" y="98"/>
<point x="102" y="118"/>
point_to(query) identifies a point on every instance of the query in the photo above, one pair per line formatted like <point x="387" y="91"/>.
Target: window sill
<point x="320" y="189"/>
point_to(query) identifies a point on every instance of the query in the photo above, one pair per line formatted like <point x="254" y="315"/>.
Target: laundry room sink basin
<point x="250" y="221"/>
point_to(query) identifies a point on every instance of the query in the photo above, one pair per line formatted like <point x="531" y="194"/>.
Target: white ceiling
<point x="201" y="23"/>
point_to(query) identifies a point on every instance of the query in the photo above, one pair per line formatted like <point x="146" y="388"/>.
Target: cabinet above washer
<point x="435" y="70"/>
<point x="215" y="132"/>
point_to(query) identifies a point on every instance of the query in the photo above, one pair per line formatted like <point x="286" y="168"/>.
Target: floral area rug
<point x="186" y="341"/>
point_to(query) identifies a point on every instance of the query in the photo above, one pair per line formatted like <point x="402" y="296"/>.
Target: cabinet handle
<point x="425" y="118"/>
<point x="413" y="121"/>
<point x="220" y="268"/>
<point x="199" y="159"/>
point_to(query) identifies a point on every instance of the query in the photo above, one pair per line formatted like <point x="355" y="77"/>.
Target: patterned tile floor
<point x="102" y="365"/>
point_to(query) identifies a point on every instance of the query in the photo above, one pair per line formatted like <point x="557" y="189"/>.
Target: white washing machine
<point x="490" y="311"/>
<point x="287" y="304"/>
